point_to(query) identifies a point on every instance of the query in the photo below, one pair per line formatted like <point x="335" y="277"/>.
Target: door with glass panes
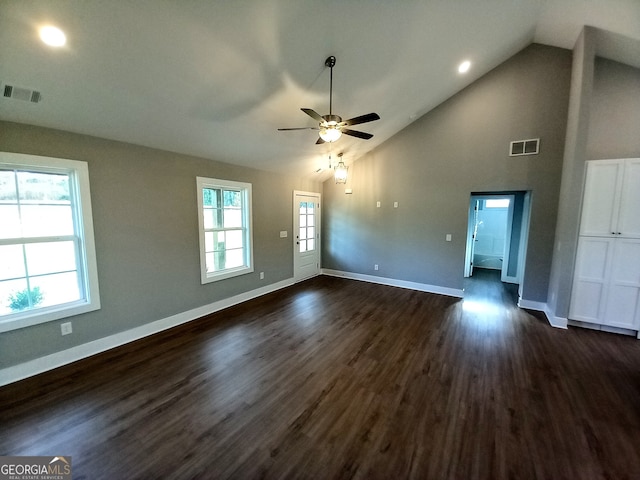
<point x="306" y="232"/>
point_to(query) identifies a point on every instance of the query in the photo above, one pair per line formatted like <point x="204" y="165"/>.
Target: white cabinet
<point x="590" y="280"/>
<point x="611" y="198"/>
<point x="606" y="284"/>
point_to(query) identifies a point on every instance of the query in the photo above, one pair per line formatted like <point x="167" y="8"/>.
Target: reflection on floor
<point x="487" y="300"/>
<point x="485" y="286"/>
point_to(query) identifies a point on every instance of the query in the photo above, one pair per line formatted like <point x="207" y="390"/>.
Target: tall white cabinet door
<point x="591" y="278"/>
<point x="601" y="198"/>
<point x="629" y="216"/>
<point x="623" y="298"/>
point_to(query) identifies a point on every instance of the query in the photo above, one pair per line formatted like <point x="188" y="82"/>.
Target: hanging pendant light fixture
<point x="341" y="171"/>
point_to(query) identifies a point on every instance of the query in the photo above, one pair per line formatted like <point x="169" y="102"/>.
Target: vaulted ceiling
<point x="216" y="79"/>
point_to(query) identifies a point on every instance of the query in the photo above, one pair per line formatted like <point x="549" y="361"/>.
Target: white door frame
<point x="297" y="274"/>
<point x="524" y="235"/>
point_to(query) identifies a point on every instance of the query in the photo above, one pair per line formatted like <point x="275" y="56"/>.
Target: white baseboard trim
<point x="49" y="362"/>
<point x="422" y="287"/>
<point x="557" y="322"/>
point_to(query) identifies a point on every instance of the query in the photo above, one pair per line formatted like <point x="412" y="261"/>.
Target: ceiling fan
<point x="331" y="127"/>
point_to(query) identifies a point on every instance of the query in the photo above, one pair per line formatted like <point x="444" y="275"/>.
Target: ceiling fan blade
<point x="369" y="117"/>
<point x="298" y="128"/>
<point x="313" y="114"/>
<point x="356" y="133"/>
<point x="320" y="141"/>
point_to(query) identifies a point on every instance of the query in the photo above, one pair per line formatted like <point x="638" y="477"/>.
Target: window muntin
<point x="47" y="252"/>
<point x="225" y="228"/>
<point x="307" y="234"/>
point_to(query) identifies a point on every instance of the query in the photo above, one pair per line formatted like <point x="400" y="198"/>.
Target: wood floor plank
<point x="334" y="378"/>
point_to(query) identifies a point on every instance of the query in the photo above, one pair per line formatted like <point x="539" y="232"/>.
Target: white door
<point x="472" y="232"/>
<point x="306" y="233"/>
<point x="504" y="274"/>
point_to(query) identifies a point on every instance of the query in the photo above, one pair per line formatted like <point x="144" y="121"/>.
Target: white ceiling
<point x="216" y="79"/>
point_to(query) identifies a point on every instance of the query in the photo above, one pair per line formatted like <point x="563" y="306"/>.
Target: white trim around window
<point x="47" y="241"/>
<point x="225" y="228"/>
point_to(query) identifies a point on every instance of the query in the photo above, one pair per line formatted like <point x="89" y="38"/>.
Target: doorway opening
<point x="497" y="234"/>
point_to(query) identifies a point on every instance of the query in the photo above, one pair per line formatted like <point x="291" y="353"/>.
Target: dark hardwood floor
<point x="334" y="378"/>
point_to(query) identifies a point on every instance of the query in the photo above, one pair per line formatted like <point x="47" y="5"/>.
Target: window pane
<point x="10" y="223"/>
<point x="310" y="206"/>
<point x="303" y="220"/>
<point x="232" y="218"/>
<point x="208" y="241"/>
<point x="310" y="244"/>
<point x="303" y="234"/>
<point x="218" y="241"/>
<point x="234" y="239"/>
<point x="219" y="260"/>
<point x="43" y="187"/>
<point x="50" y="257"/>
<point x="10" y="298"/>
<point x="311" y="220"/>
<point x="497" y="203"/>
<point x="209" y="262"/>
<point x="303" y="208"/>
<point x="57" y="289"/>
<point x="232" y="199"/>
<point x="235" y="258"/>
<point x="303" y="245"/>
<point x="46" y="220"/>
<point x="210" y="197"/>
<point x="7" y="186"/>
<point x="207" y="215"/>
<point x="311" y="232"/>
<point x="12" y="264"/>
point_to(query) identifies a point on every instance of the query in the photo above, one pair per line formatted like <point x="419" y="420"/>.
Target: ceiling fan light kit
<point x="331" y="127"/>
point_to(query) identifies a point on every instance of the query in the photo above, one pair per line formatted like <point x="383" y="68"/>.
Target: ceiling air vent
<point x="524" y="147"/>
<point x="19" y="93"/>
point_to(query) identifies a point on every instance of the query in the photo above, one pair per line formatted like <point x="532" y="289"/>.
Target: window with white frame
<point x="224" y="219"/>
<point x="47" y="255"/>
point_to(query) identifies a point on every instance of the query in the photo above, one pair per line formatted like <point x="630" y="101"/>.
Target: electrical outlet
<point x="65" y="328"/>
<point x="377" y="204"/>
<point x="261" y="275"/>
<point x="283" y="234"/>
<point x="375" y="267"/>
<point x="395" y="204"/>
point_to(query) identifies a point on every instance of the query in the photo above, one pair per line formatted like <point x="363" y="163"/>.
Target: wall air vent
<point x="524" y="147"/>
<point x="19" y="93"/>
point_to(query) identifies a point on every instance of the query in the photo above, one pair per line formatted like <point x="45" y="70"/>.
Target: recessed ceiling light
<point x="53" y="36"/>
<point x="464" y="66"/>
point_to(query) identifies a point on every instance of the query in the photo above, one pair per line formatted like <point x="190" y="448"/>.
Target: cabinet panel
<point x="599" y="207"/>
<point x="590" y="279"/>
<point x="629" y="216"/>
<point x="622" y="304"/>
<point x="623" y="301"/>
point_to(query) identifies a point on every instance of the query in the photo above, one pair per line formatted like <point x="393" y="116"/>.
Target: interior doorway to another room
<point x="497" y="234"/>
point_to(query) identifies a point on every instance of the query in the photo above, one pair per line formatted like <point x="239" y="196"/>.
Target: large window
<point x="47" y="253"/>
<point x="225" y="228"/>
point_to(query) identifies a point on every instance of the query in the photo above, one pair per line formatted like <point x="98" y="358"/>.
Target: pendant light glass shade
<point x="341" y="172"/>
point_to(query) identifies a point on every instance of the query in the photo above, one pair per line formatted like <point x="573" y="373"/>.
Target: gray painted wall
<point x="603" y="122"/>
<point x="146" y="231"/>
<point x="614" y="126"/>
<point x="432" y="166"/>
